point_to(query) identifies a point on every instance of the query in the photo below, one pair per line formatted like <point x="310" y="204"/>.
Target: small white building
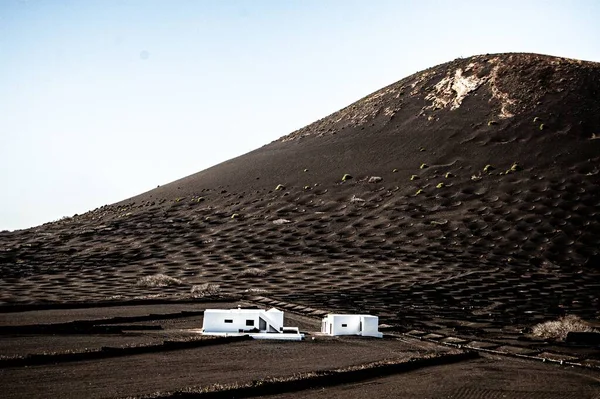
<point x="351" y="324"/>
<point x="258" y="323"/>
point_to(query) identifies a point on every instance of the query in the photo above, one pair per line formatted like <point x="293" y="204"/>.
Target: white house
<point x="351" y="324"/>
<point x="258" y="323"/>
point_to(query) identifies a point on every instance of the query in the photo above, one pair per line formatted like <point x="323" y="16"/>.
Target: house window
<point x="250" y="322"/>
<point x="344" y="325"/>
<point x="228" y="321"/>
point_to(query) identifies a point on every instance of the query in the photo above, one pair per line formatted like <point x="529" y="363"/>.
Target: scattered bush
<point x="440" y="185"/>
<point x="281" y="221"/>
<point x="394" y="170"/>
<point x="514" y="168"/>
<point x="476" y="177"/>
<point x="307" y="187"/>
<point x="423" y="166"/>
<point x="542" y="126"/>
<point x="422" y="149"/>
<point x="205" y="290"/>
<point x="375" y="179"/>
<point x="414" y="177"/>
<point x="419" y="191"/>
<point x="536" y="119"/>
<point x="355" y="199"/>
<point x="235" y="216"/>
<point x="346" y="177"/>
<point x="252" y="272"/>
<point x="558" y="329"/>
<point x="280" y="187"/>
<point x="439" y="222"/>
<point x="449" y="175"/>
<point x="488" y="168"/>
<point x="158" y="280"/>
<point x="491" y="123"/>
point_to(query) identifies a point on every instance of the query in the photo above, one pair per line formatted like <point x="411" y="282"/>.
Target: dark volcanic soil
<point x="221" y="364"/>
<point x="488" y="202"/>
<point x="465" y="197"/>
<point x="486" y="378"/>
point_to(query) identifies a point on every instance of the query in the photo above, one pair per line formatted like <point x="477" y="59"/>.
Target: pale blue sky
<point x="102" y="100"/>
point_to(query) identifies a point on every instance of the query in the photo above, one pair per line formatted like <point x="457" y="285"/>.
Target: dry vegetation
<point x="253" y="272"/>
<point x="205" y="290"/>
<point x="159" y="280"/>
<point x="558" y="329"/>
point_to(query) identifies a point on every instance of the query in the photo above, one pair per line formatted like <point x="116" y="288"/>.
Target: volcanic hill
<point x="468" y="191"/>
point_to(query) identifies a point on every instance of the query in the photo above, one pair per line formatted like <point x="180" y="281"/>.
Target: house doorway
<point x="262" y="324"/>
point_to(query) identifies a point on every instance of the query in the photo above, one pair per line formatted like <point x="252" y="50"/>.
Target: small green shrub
<point x="419" y="191"/>
<point x="346" y="177"/>
<point x="440" y="185"/>
<point x="422" y="149"/>
<point x="536" y="119"/>
<point x="414" y="177"/>
<point x="488" y="168"/>
<point x="280" y="187"/>
<point x="491" y="123"/>
<point x="235" y="216"/>
<point x="542" y="127"/>
<point x="449" y="175"/>
<point x="514" y="168"/>
<point x="423" y="166"/>
<point x="394" y="170"/>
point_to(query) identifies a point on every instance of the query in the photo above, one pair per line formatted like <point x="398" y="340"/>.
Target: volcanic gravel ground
<point x="485" y="378"/>
<point x="462" y="200"/>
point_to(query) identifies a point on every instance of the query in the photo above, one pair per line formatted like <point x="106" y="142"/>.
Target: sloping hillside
<point x="469" y="191"/>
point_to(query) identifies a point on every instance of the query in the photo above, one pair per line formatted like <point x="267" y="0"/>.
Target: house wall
<point x="215" y="321"/>
<point x="276" y="316"/>
<point x="351" y="322"/>
<point x="370" y="326"/>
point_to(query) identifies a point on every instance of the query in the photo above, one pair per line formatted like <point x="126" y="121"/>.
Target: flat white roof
<point x="241" y="310"/>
